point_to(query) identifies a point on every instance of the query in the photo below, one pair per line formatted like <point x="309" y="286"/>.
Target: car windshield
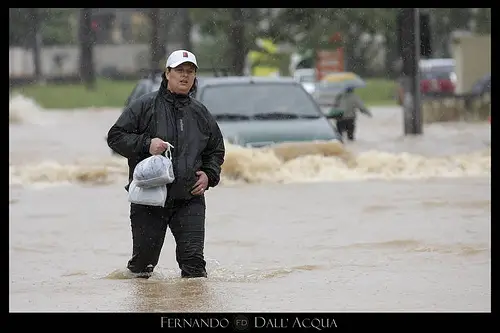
<point x="280" y="101"/>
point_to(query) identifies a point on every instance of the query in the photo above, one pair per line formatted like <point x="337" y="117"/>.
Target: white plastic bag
<point x="154" y="171"/>
<point x="151" y="196"/>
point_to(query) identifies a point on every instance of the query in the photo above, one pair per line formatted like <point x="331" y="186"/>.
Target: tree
<point x="185" y="28"/>
<point x="482" y="18"/>
<point x="36" y="39"/>
<point x="87" y="72"/>
<point x="155" y="47"/>
<point x="237" y="45"/>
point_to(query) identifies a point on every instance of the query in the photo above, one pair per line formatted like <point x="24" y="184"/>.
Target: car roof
<point x="304" y="71"/>
<point x="431" y="63"/>
<point x="229" y="80"/>
<point x="204" y="81"/>
<point x="438" y="61"/>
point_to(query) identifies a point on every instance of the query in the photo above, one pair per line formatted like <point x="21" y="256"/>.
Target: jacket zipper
<point x="181" y="138"/>
<point x="175" y="137"/>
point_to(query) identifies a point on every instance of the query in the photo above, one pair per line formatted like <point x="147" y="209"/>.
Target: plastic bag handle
<point x="168" y="152"/>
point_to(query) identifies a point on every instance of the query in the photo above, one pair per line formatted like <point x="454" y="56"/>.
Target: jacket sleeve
<point x="361" y="106"/>
<point x="126" y="136"/>
<point x="213" y="155"/>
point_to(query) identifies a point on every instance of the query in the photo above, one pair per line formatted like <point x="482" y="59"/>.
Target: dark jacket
<point x="182" y="121"/>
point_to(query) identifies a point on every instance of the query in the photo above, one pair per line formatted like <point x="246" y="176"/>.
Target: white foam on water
<point x="285" y="163"/>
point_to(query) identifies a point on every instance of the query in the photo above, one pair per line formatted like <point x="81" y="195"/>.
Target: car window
<point x="250" y="98"/>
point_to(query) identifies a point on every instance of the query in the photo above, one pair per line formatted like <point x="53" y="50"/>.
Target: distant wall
<point x="125" y="59"/>
<point x="472" y="55"/>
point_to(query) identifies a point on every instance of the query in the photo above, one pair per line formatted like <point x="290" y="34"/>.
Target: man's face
<point x="181" y="78"/>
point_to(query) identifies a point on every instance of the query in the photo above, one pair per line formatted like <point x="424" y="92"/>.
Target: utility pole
<point x="36" y="42"/>
<point x="155" y="47"/>
<point x="409" y="26"/>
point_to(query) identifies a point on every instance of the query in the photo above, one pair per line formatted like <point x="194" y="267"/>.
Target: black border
<point x="247" y="322"/>
<point x="344" y="321"/>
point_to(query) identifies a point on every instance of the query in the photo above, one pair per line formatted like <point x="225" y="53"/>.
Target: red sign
<point x="336" y="37"/>
<point x="329" y="61"/>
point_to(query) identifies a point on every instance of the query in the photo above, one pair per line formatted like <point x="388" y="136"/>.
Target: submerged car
<point x="261" y="111"/>
<point x="258" y="111"/>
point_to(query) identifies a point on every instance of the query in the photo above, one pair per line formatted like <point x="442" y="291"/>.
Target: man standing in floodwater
<point x="145" y="128"/>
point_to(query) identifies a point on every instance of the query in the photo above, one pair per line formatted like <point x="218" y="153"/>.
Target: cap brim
<point x="175" y="64"/>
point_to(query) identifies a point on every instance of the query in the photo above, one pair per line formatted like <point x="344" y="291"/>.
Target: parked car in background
<point x="334" y="84"/>
<point x="258" y="111"/>
<point x="326" y="93"/>
<point x="482" y="86"/>
<point x="144" y="86"/>
<point x="437" y="77"/>
<point x="147" y="85"/>
<point x="480" y="89"/>
<point x="307" y="77"/>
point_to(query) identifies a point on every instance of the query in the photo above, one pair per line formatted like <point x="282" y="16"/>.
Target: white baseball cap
<point x="179" y="57"/>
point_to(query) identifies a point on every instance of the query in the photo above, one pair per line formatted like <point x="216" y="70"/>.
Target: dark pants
<point x="347" y="125"/>
<point x="186" y="220"/>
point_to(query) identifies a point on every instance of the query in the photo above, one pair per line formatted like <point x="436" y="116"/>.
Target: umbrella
<point x="344" y="80"/>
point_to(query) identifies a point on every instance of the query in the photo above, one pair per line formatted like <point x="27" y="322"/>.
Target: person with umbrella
<point x="350" y="103"/>
<point x="347" y="103"/>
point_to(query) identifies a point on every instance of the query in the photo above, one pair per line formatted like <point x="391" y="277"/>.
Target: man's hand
<point x="201" y="184"/>
<point x="157" y="146"/>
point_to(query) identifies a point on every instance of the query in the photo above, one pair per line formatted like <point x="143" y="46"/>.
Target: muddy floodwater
<point x="387" y="223"/>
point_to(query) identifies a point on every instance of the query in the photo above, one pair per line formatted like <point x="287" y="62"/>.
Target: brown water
<point x="391" y="223"/>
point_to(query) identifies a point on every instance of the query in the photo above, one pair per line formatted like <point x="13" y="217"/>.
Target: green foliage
<point x="57" y="26"/>
<point x="303" y="28"/>
<point x="209" y="53"/>
<point x="483" y="20"/>
<point x="63" y="26"/>
<point x="108" y="93"/>
<point x="378" y="92"/>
